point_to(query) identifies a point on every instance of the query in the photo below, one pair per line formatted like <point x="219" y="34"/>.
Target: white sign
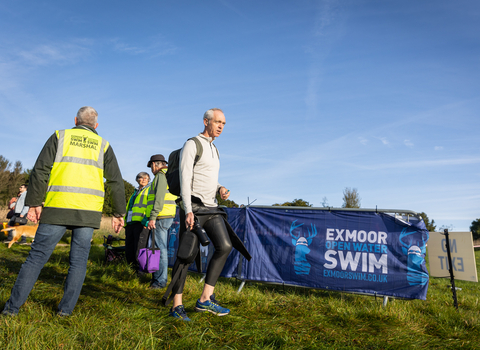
<point x="461" y="250"/>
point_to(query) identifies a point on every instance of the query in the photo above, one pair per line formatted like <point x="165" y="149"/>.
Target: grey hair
<point x="160" y="163"/>
<point x="141" y="175"/>
<point x="209" y="114"/>
<point x="87" y="116"/>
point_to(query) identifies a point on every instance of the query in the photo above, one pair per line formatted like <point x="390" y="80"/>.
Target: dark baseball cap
<point x="156" y="158"/>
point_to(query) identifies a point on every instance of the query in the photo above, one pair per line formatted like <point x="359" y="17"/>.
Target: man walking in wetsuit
<point x="199" y="187"/>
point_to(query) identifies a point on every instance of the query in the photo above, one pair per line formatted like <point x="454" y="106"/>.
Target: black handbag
<point x="187" y="247"/>
<point x="17" y="220"/>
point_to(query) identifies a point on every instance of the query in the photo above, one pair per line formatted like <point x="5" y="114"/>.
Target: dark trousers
<point x="132" y="234"/>
<point x="218" y="234"/>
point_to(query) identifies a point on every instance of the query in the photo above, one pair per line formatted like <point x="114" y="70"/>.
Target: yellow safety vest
<point x="139" y="206"/>
<point x="169" y="206"/>
<point x="76" y="179"/>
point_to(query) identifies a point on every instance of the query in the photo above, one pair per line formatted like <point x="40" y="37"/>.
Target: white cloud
<point x="157" y="47"/>
<point x="363" y="140"/>
<point x="384" y="141"/>
<point x="420" y="163"/>
<point x="438" y="148"/>
<point x="56" y="53"/>
<point x="408" y="143"/>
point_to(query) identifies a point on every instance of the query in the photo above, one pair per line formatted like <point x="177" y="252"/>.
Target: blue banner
<point x="350" y="251"/>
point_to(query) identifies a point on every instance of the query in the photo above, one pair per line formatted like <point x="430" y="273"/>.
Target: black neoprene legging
<point x="218" y="234"/>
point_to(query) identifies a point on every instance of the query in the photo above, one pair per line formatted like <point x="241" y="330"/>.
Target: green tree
<point x="226" y="202"/>
<point x="351" y="198"/>
<point x="325" y="202"/>
<point x="10" y="179"/>
<point x="431" y="227"/>
<point x="475" y="229"/>
<point x="294" y="203"/>
<point x="107" y="203"/>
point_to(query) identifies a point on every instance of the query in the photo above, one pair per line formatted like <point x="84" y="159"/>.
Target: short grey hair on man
<point x="87" y="116"/>
<point x="141" y="175"/>
<point x="209" y="114"/>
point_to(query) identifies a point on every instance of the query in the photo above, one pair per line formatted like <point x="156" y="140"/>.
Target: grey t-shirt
<point x="202" y="180"/>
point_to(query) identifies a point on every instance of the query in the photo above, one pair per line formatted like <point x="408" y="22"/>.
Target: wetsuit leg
<point x="178" y="287"/>
<point x="218" y="234"/>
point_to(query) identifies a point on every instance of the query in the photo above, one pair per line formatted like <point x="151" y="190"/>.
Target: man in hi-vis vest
<point x="68" y="177"/>
<point x="161" y="209"/>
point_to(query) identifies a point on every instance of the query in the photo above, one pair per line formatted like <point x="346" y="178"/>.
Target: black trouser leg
<point x="218" y="234"/>
<point x="132" y="234"/>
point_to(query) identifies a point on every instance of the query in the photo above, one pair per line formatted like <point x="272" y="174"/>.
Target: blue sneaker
<point x="179" y="313"/>
<point x="211" y="306"/>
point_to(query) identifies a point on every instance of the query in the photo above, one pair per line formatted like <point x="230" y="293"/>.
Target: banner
<point x="349" y="251"/>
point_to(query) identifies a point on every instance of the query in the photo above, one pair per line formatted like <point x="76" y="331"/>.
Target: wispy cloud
<point x="438" y="148"/>
<point x="419" y="163"/>
<point x="363" y="140"/>
<point x="156" y="47"/>
<point x="408" y="143"/>
<point x="56" y="53"/>
<point x="384" y="141"/>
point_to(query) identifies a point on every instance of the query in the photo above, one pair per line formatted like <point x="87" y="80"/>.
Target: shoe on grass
<point x="8" y="313"/>
<point x="179" y="313"/>
<point x="156" y="286"/>
<point x="23" y="241"/>
<point x="211" y="306"/>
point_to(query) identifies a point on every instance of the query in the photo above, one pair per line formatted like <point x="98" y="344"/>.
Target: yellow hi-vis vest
<point x="76" y="179"/>
<point x="139" y="206"/>
<point x="169" y="205"/>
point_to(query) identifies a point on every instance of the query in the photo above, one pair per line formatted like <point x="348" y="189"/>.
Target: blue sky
<point x="382" y="96"/>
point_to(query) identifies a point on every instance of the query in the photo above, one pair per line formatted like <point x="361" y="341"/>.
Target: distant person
<point x="68" y="175"/>
<point x="11" y="206"/>
<point x="199" y="187"/>
<point x="136" y="208"/>
<point x="20" y="211"/>
<point x="161" y="211"/>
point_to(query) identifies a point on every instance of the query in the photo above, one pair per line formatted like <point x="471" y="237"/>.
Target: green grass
<point x="116" y="310"/>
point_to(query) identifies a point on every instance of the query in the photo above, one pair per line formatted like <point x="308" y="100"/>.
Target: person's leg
<point x="218" y="234"/>
<point x="159" y="278"/>
<point x="129" y="245"/>
<point x="46" y="239"/>
<point x="79" y="249"/>
<point x="137" y="230"/>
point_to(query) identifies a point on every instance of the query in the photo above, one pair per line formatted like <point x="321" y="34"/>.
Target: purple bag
<point x="149" y="258"/>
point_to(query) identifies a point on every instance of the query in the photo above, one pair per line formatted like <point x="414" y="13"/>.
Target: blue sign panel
<point x="350" y="251"/>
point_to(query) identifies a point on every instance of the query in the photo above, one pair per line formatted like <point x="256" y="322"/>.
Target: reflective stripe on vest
<point x="76" y="179"/>
<point x="140" y="204"/>
<point x="169" y="205"/>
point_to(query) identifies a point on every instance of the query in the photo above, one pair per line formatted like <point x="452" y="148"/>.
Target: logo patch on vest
<point x="83" y="142"/>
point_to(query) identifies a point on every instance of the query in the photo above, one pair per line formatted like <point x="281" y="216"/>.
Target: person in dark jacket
<point x="68" y="177"/>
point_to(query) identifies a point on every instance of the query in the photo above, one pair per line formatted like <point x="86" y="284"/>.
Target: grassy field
<point x="116" y="310"/>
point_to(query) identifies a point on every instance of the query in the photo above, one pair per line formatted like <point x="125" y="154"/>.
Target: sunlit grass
<point x="116" y="310"/>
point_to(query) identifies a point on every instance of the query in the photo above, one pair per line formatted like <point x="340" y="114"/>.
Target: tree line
<point x="12" y="176"/>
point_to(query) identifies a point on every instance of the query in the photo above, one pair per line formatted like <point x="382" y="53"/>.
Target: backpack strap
<point x="199" y="153"/>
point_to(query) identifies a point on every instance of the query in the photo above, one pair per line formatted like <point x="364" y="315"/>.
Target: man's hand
<point x="151" y="225"/>
<point x="34" y="214"/>
<point x="189" y="220"/>
<point x="224" y="193"/>
<point x="117" y="224"/>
